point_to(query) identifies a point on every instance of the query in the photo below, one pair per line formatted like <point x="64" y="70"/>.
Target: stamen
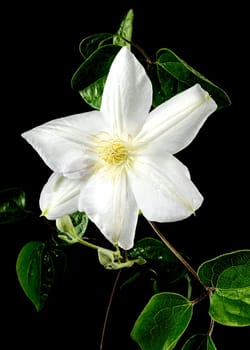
<point x="113" y="151"/>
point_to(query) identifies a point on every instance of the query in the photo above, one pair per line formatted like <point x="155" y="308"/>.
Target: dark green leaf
<point x="125" y="30"/>
<point x="152" y="249"/>
<point x="94" y="42"/>
<point x="157" y="254"/>
<point x="162" y="322"/>
<point x="199" y="342"/>
<point x="90" y="77"/>
<point x="93" y="93"/>
<point x="12" y="205"/>
<point x="159" y="89"/>
<point x="175" y="75"/>
<point x="210" y="270"/>
<point x="229" y="274"/>
<point x="98" y="51"/>
<point x="36" y="272"/>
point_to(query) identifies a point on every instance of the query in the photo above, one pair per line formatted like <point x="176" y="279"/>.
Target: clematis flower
<point x="119" y="160"/>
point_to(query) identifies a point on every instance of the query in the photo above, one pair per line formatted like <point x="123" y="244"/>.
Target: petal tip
<point x="44" y="213"/>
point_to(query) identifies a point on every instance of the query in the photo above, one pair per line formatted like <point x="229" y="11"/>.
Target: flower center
<point x="113" y="151"/>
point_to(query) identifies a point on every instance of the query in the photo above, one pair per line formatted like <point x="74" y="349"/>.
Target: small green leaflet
<point x="99" y="51"/>
<point x="12" y="205"/>
<point x="72" y="227"/>
<point x="36" y="272"/>
<point x="125" y="31"/>
<point x="80" y="222"/>
<point x="162" y="322"/>
<point x="94" y="42"/>
<point x="199" y="342"/>
<point x="229" y="274"/>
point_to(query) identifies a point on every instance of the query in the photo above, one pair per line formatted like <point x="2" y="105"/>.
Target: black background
<point x="39" y="54"/>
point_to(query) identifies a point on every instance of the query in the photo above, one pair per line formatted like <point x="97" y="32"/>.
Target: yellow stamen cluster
<point x="113" y="151"/>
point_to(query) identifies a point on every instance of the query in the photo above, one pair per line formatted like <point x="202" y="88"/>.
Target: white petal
<point x="127" y="95"/>
<point x="59" y="196"/>
<point x="163" y="189"/>
<point x="63" y="143"/>
<point x="108" y="201"/>
<point x="174" y="124"/>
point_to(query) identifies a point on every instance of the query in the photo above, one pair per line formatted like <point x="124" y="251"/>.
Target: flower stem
<point x="189" y="287"/>
<point x="211" y="327"/>
<point x="108" y="309"/>
<point x="88" y="244"/>
<point x="176" y="253"/>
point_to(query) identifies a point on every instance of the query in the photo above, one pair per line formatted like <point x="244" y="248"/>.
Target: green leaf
<point x="230" y="303"/>
<point x="12" y="205"/>
<point x="210" y="270"/>
<point x="199" y="341"/>
<point x="159" y="94"/>
<point x="98" y="51"/>
<point x="229" y="274"/>
<point x="80" y="222"/>
<point x="125" y="31"/>
<point x="155" y="252"/>
<point x="72" y="227"/>
<point x="90" y="77"/>
<point x="152" y="249"/>
<point x="175" y="75"/>
<point x="162" y="322"/>
<point x="94" y="42"/>
<point x="36" y="272"/>
<point x="93" y="93"/>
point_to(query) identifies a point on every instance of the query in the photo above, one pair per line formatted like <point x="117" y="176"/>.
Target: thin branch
<point x="140" y="49"/>
<point x="211" y="327"/>
<point x="176" y="253"/>
<point x="108" y="309"/>
<point x="200" y="298"/>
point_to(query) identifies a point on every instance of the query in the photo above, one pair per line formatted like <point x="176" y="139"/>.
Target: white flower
<point x="113" y="162"/>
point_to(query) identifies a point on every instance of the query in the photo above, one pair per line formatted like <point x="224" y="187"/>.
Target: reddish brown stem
<point x="108" y="309"/>
<point x="176" y="253"/>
